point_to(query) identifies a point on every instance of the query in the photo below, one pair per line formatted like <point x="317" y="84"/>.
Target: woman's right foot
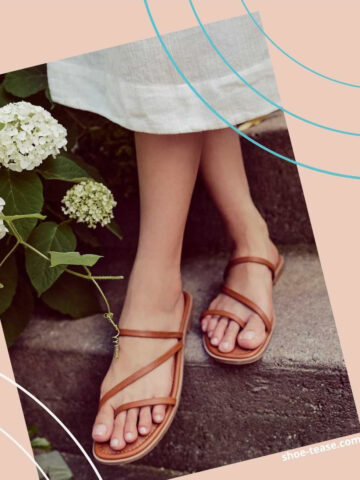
<point x="153" y="302"/>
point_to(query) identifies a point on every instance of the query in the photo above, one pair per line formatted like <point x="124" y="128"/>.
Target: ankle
<point x="252" y="238"/>
<point x="153" y="288"/>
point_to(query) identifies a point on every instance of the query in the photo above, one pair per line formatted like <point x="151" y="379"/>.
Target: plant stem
<point x="11" y="218"/>
<point x="68" y="270"/>
<point x="12" y="250"/>
<point x="19" y="240"/>
<point x="109" y="315"/>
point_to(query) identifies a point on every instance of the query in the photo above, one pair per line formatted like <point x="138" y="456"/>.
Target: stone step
<point x="275" y="188"/>
<point x="298" y="394"/>
<point x="82" y="470"/>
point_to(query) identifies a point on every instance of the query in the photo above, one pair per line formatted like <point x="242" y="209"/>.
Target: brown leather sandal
<point x="143" y="445"/>
<point x="242" y="356"/>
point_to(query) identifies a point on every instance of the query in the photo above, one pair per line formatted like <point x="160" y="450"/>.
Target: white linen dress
<point x="137" y="86"/>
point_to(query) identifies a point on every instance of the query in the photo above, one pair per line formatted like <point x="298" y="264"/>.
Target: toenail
<point x="114" y="443"/>
<point x="214" y="341"/>
<point x="225" y="345"/>
<point x="158" y="418"/>
<point x="210" y="334"/>
<point x="203" y="326"/>
<point x="143" y="430"/>
<point x="129" y="436"/>
<point x="248" y="335"/>
<point x="99" y="429"/>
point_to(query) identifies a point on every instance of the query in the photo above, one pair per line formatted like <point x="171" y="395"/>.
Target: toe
<point x="253" y="334"/>
<point x="219" y="331"/>
<point x="130" y="429"/>
<point x="228" y="342"/>
<point x="212" y="325"/>
<point x="117" y="441"/>
<point x="145" y="421"/>
<point x="205" y="322"/>
<point x="158" y="413"/>
<point x="104" y="423"/>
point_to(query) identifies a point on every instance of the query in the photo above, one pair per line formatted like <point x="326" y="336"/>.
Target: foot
<point x="151" y="304"/>
<point x="252" y="280"/>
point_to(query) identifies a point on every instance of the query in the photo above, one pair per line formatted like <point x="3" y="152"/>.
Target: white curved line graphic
<point x="56" y="419"/>
<point x="32" y="459"/>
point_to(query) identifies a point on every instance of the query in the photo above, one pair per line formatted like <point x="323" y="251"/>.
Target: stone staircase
<point x="298" y="394"/>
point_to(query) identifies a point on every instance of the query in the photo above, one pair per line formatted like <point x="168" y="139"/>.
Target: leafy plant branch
<point x="9" y="221"/>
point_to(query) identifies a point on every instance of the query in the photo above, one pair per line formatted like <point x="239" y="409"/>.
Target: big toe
<point x="253" y="334"/>
<point x="103" y="425"/>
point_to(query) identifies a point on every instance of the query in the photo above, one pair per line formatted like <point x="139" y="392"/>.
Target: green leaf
<point x="26" y="82"/>
<point x="54" y="466"/>
<point x="85" y="235"/>
<point x="32" y="430"/>
<point x="15" y="318"/>
<point x="73" y="296"/>
<point x="23" y="194"/>
<point x="47" y="236"/>
<point x="48" y="96"/>
<point x="8" y="277"/>
<point x="62" y="168"/>
<point x="92" y="171"/>
<point x="5" y="98"/>
<point x="114" y="228"/>
<point x="40" y="443"/>
<point x="73" y="258"/>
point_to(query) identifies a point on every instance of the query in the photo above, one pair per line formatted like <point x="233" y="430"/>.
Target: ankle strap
<point x="259" y="260"/>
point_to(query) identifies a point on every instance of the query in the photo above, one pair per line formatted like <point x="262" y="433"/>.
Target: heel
<point x="279" y="270"/>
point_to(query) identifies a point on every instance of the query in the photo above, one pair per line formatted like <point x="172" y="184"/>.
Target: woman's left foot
<point x="252" y="280"/>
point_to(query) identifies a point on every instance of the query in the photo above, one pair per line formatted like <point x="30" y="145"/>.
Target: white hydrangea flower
<point x="28" y="135"/>
<point x="89" y="202"/>
<point x="3" y="229"/>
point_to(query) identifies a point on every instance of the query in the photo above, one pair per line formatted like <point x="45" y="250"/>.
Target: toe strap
<point x="148" y="402"/>
<point x="224" y="313"/>
<point x="249" y="304"/>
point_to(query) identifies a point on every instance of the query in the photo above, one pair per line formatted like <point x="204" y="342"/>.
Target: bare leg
<point x="223" y="170"/>
<point x="167" y="166"/>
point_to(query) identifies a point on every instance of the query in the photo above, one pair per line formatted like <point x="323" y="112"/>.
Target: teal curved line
<point x="279" y="107"/>
<point x="266" y="149"/>
<point x="302" y="65"/>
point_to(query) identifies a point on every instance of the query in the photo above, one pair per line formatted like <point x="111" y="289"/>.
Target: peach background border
<point x="321" y="33"/>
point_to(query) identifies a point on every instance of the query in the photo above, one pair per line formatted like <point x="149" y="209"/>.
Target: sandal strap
<point x="149" y="402"/>
<point x="125" y="332"/>
<point x="224" y="313"/>
<point x="141" y="372"/>
<point x="259" y="260"/>
<point x="248" y="303"/>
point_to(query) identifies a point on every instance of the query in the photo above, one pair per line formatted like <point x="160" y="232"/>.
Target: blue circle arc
<point x="277" y="106"/>
<point x="226" y="122"/>
<point x="302" y="65"/>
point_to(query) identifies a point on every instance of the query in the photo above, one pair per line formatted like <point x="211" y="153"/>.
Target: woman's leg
<point x="167" y="168"/>
<point x="223" y="171"/>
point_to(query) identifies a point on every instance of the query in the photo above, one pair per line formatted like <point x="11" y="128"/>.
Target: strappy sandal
<point x="242" y="356"/>
<point x="143" y="445"/>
